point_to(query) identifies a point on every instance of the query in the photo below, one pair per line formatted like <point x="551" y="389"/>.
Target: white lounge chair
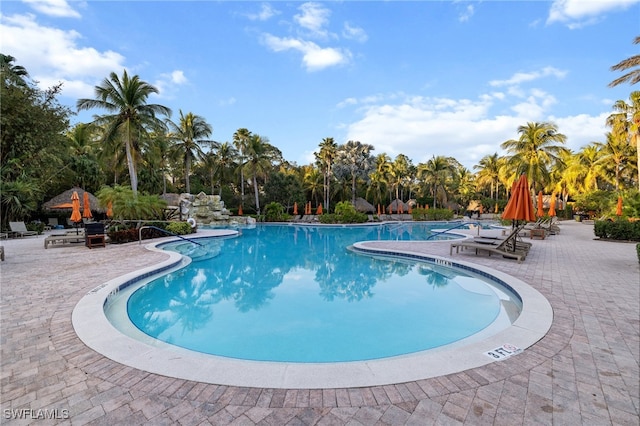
<point x="20" y="229"/>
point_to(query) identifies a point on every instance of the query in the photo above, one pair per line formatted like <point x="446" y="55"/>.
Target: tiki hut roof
<point x="396" y="203"/>
<point x="364" y="206"/>
<point x="65" y="198"/>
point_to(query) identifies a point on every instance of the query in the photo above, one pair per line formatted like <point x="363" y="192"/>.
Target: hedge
<point x="617" y="230"/>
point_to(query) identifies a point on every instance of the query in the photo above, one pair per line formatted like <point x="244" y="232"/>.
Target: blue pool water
<point x="297" y="294"/>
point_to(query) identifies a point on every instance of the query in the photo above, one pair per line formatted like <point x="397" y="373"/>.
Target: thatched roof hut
<point x="65" y="199"/>
<point x="398" y="204"/>
<point x="364" y="206"/>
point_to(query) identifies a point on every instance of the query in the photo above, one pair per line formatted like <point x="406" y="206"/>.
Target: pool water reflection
<point x="297" y="294"/>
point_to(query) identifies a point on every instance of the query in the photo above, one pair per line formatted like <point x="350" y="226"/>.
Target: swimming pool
<point x="297" y="294"/>
<point x="100" y="321"/>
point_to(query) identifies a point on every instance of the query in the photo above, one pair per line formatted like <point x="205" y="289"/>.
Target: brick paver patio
<point x="584" y="371"/>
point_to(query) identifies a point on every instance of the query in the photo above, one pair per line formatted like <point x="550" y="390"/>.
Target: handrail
<point x="166" y="232"/>
<point x="460" y="225"/>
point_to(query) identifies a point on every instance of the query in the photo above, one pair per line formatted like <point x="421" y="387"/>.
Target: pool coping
<point x="96" y="331"/>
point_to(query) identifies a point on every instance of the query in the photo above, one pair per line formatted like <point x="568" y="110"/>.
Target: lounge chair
<point x="20" y="229"/>
<point x="508" y="247"/>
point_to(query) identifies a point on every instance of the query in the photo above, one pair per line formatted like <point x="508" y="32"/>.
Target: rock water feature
<point x="207" y="209"/>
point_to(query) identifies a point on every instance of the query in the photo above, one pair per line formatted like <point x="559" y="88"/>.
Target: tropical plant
<point x="127" y="205"/>
<point x="260" y="155"/>
<point x="633" y="63"/>
<point x="625" y="123"/>
<point x="489" y="173"/>
<point x="326" y="156"/>
<point x="240" y="142"/>
<point x="12" y="74"/>
<point x="434" y="173"/>
<point x="535" y="152"/>
<point x="126" y="98"/>
<point x="274" y="212"/>
<point x="187" y="136"/>
<point x="354" y="159"/>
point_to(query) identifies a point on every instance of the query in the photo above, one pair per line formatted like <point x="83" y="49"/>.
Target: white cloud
<point x="421" y="127"/>
<point x="57" y="8"/>
<point x="314" y="57"/>
<point x="167" y="83"/>
<point x="52" y="55"/>
<point x="266" y="12"/>
<point x="354" y="33"/>
<point x="578" y="13"/>
<point x="313" y="18"/>
<point x="524" y="77"/>
<point x="467" y="13"/>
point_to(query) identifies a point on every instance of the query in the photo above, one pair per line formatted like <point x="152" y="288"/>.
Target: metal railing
<point x="460" y="225"/>
<point x="166" y="232"/>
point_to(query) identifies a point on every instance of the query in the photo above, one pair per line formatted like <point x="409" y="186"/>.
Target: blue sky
<point x="421" y="78"/>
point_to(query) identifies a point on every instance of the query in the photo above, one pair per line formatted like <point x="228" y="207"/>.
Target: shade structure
<point x="86" y="206"/>
<point x="520" y="205"/>
<point x="619" y="207"/>
<point x="397" y="206"/>
<point x="62" y="201"/>
<point x="552" y="205"/>
<point x="319" y="209"/>
<point x="62" y="206"/>
<point x="295" y="208"/>
<point x="363" y="206"/>
<point x="75" y="209"/>
<point x="540" y="211"/>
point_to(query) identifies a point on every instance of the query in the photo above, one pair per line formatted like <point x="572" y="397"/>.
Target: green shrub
<point x="617" y="230"/>
<point x="36" y="226"/>
<point x="432" y="214"/>
<point x="345" y="212"/>
<point x="179" y="228"/>
<point x="274" y="212"/>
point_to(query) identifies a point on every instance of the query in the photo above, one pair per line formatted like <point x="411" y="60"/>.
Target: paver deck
<point x="584" y="371"/>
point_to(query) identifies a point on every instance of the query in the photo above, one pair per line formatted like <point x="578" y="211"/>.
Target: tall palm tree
<point x="401" y="170"/>
<point x="260" y="157"/>
<point x="187" y="136"/>
<point x="434" y="173"/>
<point x="633" y="76"/>
<point x="625" y="122"/>
<point x="355" y="158"/>
<point x="328" y="150"/>
<point x="615" y="153"/>
<point x="220" y="161"/>
<point x="489" y="172"/>
<point x="590" y="159"/>
<point x="126" y="98"/>
<point x="535" y="152"/>
<point x="240" y="142"/>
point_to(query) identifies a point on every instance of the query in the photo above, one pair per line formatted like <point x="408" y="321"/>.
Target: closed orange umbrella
<point x="319" y="209"/>
<point x="619" y="207"/>
<point x="400" y="208"/>
<point x="540" y="207"/>
<point x="110" y="209"/>
<point x="295" y="208"/>
<point x="552" y="205"/>
<point x="75" y="207"/>
<point x="379" y="210"/>
<point x="86" y="207"/>
<point x="520" y="205"/>
<point x="496" y="209"/>
<point x="240" y="210"/>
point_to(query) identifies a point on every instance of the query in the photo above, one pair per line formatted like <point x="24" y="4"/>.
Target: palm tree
<point x="11" y="73"/>
<point x="240" y="142"/>
<point x="489" y="172"/>
<point x="625" y="123"/>
<point x="589" y="159"/>
<point x="355" y="158"/>
<point x="328" y="150"/>
<point x="535" y="152"/>
<point x="132" y="116"/>
<point x="187" y="136"/>
<point x="615" y="153"/>
<point x="260" y="157"/>
<point x="434" y="173"/>
<point x="219" y="162"/>
<point x="633" y="76"/>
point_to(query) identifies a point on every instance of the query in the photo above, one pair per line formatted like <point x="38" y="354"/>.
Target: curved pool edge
<point x="96" y="331"/>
